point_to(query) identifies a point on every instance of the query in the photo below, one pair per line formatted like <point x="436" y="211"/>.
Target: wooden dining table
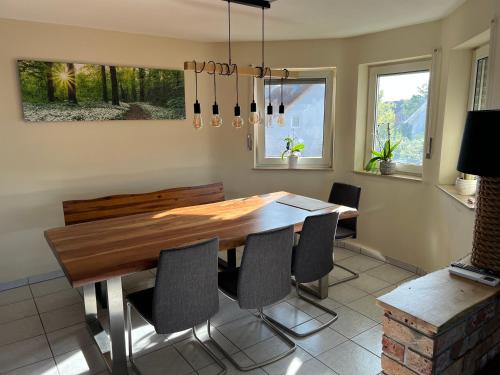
<point x="107" y="250"/>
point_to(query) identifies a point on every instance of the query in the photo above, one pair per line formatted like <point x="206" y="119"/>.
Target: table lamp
<point x="480" y="155"/>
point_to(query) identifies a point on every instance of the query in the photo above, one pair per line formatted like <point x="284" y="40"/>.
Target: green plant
<point x="385" y="154"/>
<point x="291" y="147"/>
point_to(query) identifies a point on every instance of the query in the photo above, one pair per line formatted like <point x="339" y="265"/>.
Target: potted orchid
<point x="384" y="156"/>
<point x="292" y="152"/>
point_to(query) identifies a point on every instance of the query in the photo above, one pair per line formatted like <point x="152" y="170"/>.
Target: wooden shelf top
<point x="437" y="300"/>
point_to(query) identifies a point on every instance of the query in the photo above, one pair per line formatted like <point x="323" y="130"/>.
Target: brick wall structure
<point x="440" y="324"/>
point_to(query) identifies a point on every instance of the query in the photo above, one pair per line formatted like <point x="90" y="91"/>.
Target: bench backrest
<point x="81" y="211"/>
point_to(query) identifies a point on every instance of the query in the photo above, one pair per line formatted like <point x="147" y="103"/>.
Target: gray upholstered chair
<point x="345" y="195"/>
<point x="313" y="259"/>
<point x="185" y="294"/>
<point x="262" y="279"/>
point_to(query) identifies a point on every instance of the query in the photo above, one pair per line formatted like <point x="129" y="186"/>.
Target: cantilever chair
<point x="185" y="294"/>
<point x="262" y="279"/>
<point x="345" y="195"/>
<point x="313" y="259"/>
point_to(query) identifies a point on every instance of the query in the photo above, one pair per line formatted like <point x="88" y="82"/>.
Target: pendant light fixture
<point x="237" y="120"/>
<point x="197" y="119"/>
<point x="281" y="110"/>
<point x="228" y="69"/>
<point x="216" y="120"/>
<point x="269" y="112"/>
<point x="254" y="117"/>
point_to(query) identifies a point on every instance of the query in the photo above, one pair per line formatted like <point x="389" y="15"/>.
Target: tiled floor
<point x="42" y="330"/>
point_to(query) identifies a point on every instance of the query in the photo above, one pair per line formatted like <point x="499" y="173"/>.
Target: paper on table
<point x="305" y="203"/>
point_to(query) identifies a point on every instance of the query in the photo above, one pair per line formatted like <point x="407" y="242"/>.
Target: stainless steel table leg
<point x="323" y="287"/>
<point x="117" y="326"/>
<point x="90" y="303"/>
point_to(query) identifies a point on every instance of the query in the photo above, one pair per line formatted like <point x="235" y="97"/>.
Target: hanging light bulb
<point x="216" y="119"/>
<point x="281" y="110"/>
<point x="197" y="119"/>
<point x="237" y="120"/>
<point x="254" y="117"/>
<point x="269" y="112"/>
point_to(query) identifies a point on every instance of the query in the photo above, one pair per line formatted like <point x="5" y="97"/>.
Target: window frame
<point x="478" y="54"/>
<point x="393" y="69"/>
<point x="324" y="162"/>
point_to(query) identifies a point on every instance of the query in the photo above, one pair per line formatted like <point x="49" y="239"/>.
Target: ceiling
<point x="206" y="20"/>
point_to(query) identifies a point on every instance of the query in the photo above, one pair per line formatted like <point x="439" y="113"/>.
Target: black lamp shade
<point x="480" y="151"/>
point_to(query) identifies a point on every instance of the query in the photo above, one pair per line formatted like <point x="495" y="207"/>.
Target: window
<point x="308" y="120"/>
<point x="479" y="78"/>
<point x="398" y="105"/>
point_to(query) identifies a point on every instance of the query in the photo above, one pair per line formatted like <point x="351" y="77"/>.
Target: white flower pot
<point x="293" y="160"/>
<point x="466" y="187"/>
<point x="387" y="167"/>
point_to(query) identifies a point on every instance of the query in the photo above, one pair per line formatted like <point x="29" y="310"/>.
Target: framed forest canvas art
<point x="60" y="91"/>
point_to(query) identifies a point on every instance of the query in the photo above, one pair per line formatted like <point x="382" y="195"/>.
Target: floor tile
<point x="62" y="318"/>
<point x="17" y="310"/>
<point x="20" y="329"/>
<point x="351" y="359"/>
<point x="15" y="295"/>
<point x="360" y="263"/>
<point x="194" y="353"/>
<point x="390" y="273"/>
<point x="69" y="339"/>
<point x="287" y="364"/>
<point x="368" y="283"/>
<point x="338" y="274"/>
<point x="50" y="286"/>
<point x="320" y="341"/>
<point x="340" y="253"/>
<point x="246" y="332"/>
<point x="371" y="339"/>
<point x="23" y="353"/>
<point x="367" y="306"/>
<point x="227" y="345"/>
<point x="268" y="349"/>
<point x="311" y="367"/>
<point x="350" y="323"/>
<point x="57" y="300"/>
<point x="45" y="367"/>
<point x="345" y="293"/>
<point x="83" y="361"/>
<point x="385" y="290"/>
<point x="240" y="358"/>
<point x="288" y="315"/>
<point x="156" y="362"/>
<point x="307" y="307"/>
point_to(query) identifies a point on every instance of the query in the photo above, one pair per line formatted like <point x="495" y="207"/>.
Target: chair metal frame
<point x="312" y="302"/>
<point x="269" y="323"/>
<point x="193" y="329"/>
<point x="354" y="275"/>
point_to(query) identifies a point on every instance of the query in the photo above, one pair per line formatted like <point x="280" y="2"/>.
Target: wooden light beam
<point x="225" y="69"/>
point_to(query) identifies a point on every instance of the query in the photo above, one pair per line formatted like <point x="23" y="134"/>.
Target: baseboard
<point x="365" y="250"/>
<point x="31" y="280"/>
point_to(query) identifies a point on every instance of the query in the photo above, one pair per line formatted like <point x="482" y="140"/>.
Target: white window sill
<point x="397" y="176"/>
<point x="286" y="168"/>
<point x="451" y="191"/>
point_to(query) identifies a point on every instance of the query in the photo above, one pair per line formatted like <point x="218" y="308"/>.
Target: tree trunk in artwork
<point x="104" y="84"/>
<point x="133" y="88"/>
<point x="71" y="83"/>
<point x="142" y="76"/>
<point x="115" y="99"/>
<point x="50" y="82"/>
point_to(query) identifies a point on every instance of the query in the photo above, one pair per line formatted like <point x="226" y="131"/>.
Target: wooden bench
<point x="86" y="210"/>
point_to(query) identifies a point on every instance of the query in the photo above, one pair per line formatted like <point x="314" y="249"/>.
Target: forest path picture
<point x="54" y="91"/>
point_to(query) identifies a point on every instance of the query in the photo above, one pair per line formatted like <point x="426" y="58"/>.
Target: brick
<point x="393" y="349"/>
<point x="409" y="337"/>
<point x="455" y="368"/>
<point x="481" y="317"/>
<point x="443" y="361"/>
<point x="418" y="363"/>
<point x="391" y="367"/>
<point x="449" y="337"/>
<point x="490" y="326"/>
<point x="412" y="322"/>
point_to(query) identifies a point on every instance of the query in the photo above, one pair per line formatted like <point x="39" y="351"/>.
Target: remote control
<point x="474" y="273"/>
